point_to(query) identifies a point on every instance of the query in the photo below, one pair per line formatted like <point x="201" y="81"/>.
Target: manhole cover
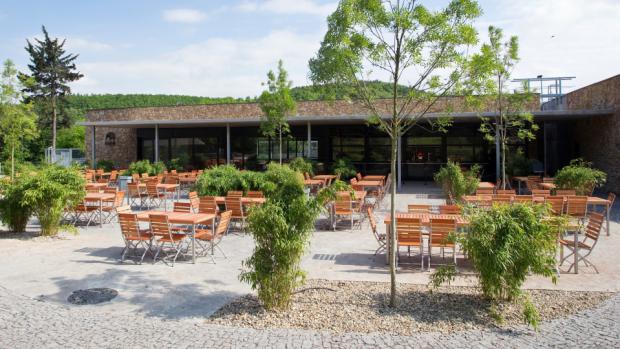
<point x="92" y="296"/>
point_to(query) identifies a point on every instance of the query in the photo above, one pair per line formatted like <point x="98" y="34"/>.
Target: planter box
<point x="122" y="182"/>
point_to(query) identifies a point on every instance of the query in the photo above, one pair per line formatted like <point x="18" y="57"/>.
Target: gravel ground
<point x="362" y="307"/>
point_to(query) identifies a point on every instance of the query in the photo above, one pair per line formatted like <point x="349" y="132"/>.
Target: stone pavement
<point x="29" y="323"/>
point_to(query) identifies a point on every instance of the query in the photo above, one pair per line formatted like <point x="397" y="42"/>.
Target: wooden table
<point x="99" y="198"/>
<point x="182" y="218"/>
<point x="313" y="182"/>
<point x="547" y="186"/>
<point x="519" y="179"/>
<point x="370" y="183"/>
<point x="486" y="185"/>
<point x="425" y="220"/>
<point x="168" y="188"/>
<point x="96" y="185"/>
<point x="327" y="179"/>
<point x="221" y="200"/>
<point x="374" y="178"/>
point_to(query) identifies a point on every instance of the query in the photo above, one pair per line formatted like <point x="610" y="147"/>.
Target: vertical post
<point x="498" y="153"/>
<point x="544" y="148"/>
<point x="399" y="164"/>
<point x="156" y="142"/>
<point x="228" y="144"/>
<point x="92" y="148"/>
<point x="309" y="141"/>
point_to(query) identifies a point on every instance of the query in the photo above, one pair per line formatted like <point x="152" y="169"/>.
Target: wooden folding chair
<point x="234" y="204"/>
<point x="208" y="204"/>
<point x="235" y="193"/>
<point x="591" y="234"/>
<point x="450" y="209"/>
<point x="418" y="208"/>
<point x="485" y="191"/>
<point x="439" y="237"/>
<point x="167" y="238"/>
<point x="380" y="237"/>
<point x="409" y="233"/>
<point x="133" y="236"/>
<point x="565" y="192"/>
<point x="344" y="206"/>
<point x="255" y="194"/>
<point x="204" y="236"/>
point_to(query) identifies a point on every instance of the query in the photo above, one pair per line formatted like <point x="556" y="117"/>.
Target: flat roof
<point x="547" y="115"/>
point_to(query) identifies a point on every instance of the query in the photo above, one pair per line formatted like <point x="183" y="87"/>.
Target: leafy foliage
<point x="71" y="137"/>
<point x="145" y="166"/>
<point x="219" y="180"/>
<point x="455" y="182"/>
<point x="344" y="168"/>
<point x="105" y="165"/>
<point x="517" y="164"/>
<point x="580" y="176"/>
<point x="13" y="210"/>
<point x="50" y="191"/>
<point x="301" y="165"/>
<point x="328" y="193"/>
<point x="281" y="229"/>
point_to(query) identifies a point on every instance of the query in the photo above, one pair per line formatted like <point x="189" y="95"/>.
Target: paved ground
<point x="38" y="275"/>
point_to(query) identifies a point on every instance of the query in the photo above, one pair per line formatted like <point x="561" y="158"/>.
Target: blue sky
<point x="224" y="48"/>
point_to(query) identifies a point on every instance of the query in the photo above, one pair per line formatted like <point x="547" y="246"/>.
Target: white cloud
<point x="184" y="15"/>
<point x="308" y="7"/>
<point x="76" y="44"/>
<point x="215" y="67"/>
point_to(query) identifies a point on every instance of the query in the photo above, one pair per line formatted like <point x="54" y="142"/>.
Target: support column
<point x="399" y="164"/>
<point x="228" y="144"/>
<point x="156" y="142"/>
<point x="92" y="148"/>
<point x="498" y="153"/>
<point x="544" y="149"/>
<point x="309" y="141"/>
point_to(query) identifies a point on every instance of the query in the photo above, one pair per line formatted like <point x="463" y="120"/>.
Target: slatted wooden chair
<point x="110" y="210"/>
<point x="113" y="180"/>
<point x="234" y="204"/>
<point x="505" y="192"/>
<point x="591" y="233"/>
<point x="358" y="176"/>
<point x="207" y="240"/>
<point x="556" y="204"/>
<point x="485" y="191"/>
<point x="184" y="207"/>
<point x="409" y="233"/>
<point x="450" y="209"/>
<point x="134" y="237"/>
<point x="153" y="195"/>
<point x="170" y="243"/>
<point x="235" y="193"/>
<point x="255" y="194"/>
<point x="208" y="204"/>
<point x="380" y="237"/>
<point x="194" y="200"/>
<point x="344" y="206"/>
<point x="419" y="208"/>
<point x="565" y="192"/>
<point x="502" y="199"/>
<point x="524" y="199"/>
<point x="135" y="196"/>
<point x="135" y="178"/>
<point x="577" y="207"/>
<point x="439" y="237"/>
<point x="541" y="192"/>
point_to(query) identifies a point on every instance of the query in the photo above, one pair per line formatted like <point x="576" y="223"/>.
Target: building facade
<point x="585" y="125"/>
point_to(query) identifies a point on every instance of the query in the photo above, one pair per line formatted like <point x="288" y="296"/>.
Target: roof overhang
<point x="547" y="115"/>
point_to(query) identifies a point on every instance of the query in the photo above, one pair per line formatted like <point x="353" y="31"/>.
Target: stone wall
<point x="122" y="152"/>
<point x="599" y="137"/>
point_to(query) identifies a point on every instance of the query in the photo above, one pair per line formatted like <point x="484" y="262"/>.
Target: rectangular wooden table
<point x="370" y="183"/>
<point x="314" y="182"/>
<point x="99" y="198"/>
<point x="221" y="200"/>
<point x="96" y="185"/>
<point x="327" y="179"/>
<point x="547" y="186"/>
<point x="182" y="218"/>
<point x="486" y="185"/>
<point x="374" y="178"/>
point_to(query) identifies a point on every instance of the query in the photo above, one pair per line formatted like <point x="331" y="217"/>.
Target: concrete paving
<point x="50" y="269"/>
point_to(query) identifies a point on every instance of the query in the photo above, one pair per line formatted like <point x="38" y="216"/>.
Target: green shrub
<point x="281" y="229"/>
<point x="505" y="244"/>
<point x="175" y="164"/>
<point x="145" y="166"/>
<point x="157" y="168"/>
<point x="49" y="192"/>
<point x="517" y="164"/>
<point x="328" y="193"/>
<point x="105" y="165"/>
<point x="13" y="211"/>
<point x="219" y="180"/>
<point x="580" y="176"/>
<point x="301" y="165"/>
<point x="456" y="183"/>
<point x="345" y="168"/>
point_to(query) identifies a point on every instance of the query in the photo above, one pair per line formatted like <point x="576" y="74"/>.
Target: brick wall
<point x="122" y="153"/>
<point x="599" y="137"/>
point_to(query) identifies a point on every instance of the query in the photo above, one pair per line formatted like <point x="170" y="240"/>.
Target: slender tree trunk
<point x="393" y="243"/>
<point x="13" y="162"/>
<point x="504" y="163"/>
<point x="53" y="155"/>
<point x="280" y="135"/>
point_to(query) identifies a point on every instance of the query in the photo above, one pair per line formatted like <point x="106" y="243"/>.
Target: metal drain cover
<point x="92" y="296"/>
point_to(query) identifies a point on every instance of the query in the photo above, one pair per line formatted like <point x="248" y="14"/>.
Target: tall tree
<point x="51" y="70"/>
<point x="490" y="72"/>
<point x="277" y="104"/>
<point x="17" y="120"/>
<point x="410" y="44"/>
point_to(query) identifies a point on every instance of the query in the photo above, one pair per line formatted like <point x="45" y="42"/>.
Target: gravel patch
<point x="362" y="307"/>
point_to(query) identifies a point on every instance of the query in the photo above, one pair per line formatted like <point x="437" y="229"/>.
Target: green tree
<point x="51" y="70"/>
<point x="489" y="75"/>
<point x="17" y="120"/>
<point x="277" y="104"/>
<point x="410" y="44"/>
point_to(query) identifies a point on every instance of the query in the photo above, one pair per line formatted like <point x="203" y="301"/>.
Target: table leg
<point x="575" y="252"/>
<point x="100" y="213"/>
<point x="193" y="244"/>
<point x="608" y="215"/>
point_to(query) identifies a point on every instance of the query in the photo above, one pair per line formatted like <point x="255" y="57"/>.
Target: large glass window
<point x="423" y="149"/>
<point x="379" y="149"/>
<point x="350" y="147"/>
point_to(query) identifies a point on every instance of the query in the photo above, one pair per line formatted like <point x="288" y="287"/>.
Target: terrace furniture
<point x="175" y="242"/>
<point x="358" y="176"/>
<point x="441" y="228"/>
<point x="381" y="239"/>
<point x="96" y="200"/>
<point x="502" y="199"/>
<point x="484" y="191"/>
<point x="255" y="194"/>
<point x="546" y="186"/>
<point x="419" y="208"/>
<point x="591" y="234"/>
<point x="234" y="193"/>
<point x="577" y="207"/>
<point x="133" y="236"/>
<point x="409" y="234"/>
<point x="113" y="179"/>
<point x="111" y="210"/>
<point x="327" y="179"/>
<point x="154" y="196"/>
<point x="505" y="192"/>
<point x="214" y="239"/>
<point x="486" y="185"/>
<point x="208" y="205"/>
<point x="194" y="200"/>
<point x="135" y="194"/>
<point x="83" y="212"/>
<point x="541" y="192"/>
<point x="182" y="207"/>
<point x="565" y="192"/>
<point x="556" y="203"/>
<point x="135" y="178"/>
<point x="344" y="206"/>
<point x="449" y="209"/>
<point x="524" y="199"/>
<point x="611" y="198"/>
<point x="233" y="204"/>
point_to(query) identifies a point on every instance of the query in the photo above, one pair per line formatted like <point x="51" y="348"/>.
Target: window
<point x="423" y="150"/>
<point x="350" y="147"/>
<point x="379" y="149"/>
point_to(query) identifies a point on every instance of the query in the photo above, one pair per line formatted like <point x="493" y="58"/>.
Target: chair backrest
<point x="125" y="208"/>
<point x="207" y="204"/>
<point x="151" y="189"/>
<point x="358" y="176"/>
<point x="235" y="193"/>
<point x="409" y="230"/>
<point x="595" y="223"/>
<point x="343" y="202"/>
<point x="109" y="190"/>
<point x="449" y="209"/>
<point x="577" y="206"/>
<point x="440" y="229"/>
<point x="194" y="200"/>
<point x="484" y="201"/>
<point x="233" y="203"/>
<point x="484" y="191"/>
<point x="506" y="192"/>
<point x="118" y="199"/>
<point x="102" y="180"/>
<point x="255" y="194"/>
<point x="133" y="190"/>
<point x="129" y="224"/>
<point x="113" y="176"/>
<point x="159" y="224"/>
<point x="541" y="192"/>
<point x="172" y="179"/>
<point x="548" y="179"/>
<point x="135" y="178"/>
<point x="99" y="172"/>
<point x="524" y="198"/>
<point x="418" y="208"/>
<point x="611" y="197"/>
<point x="371" y="219"/>
<point x="173" y="171"/>
<point x="185" y="207"/>
<point x="565" y="192"/>
<point x="531" y="185"/>
<point x="556" y="203"/>
<point x="534" y="178"/>
<point x="89" y="176"/>
<point x="306" y="175"/>
<point x="93" y="190"/>
<point x="353" y="180"/>
<point x="223" y="224"/>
